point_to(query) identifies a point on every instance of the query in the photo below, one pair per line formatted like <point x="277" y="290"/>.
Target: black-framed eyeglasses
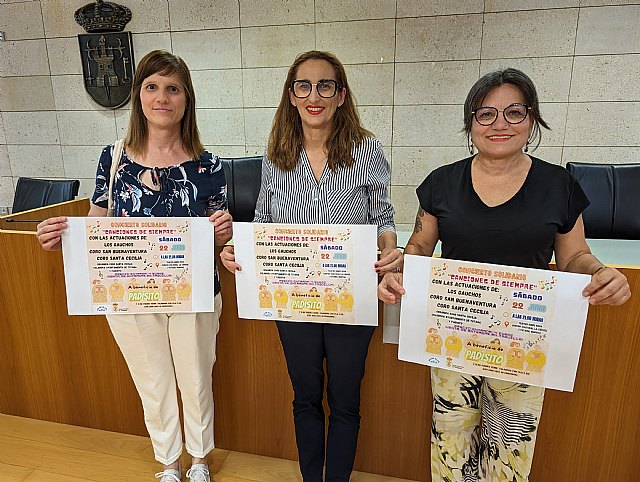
<point x="513" y="114"/>
<point x="326" y="88"/>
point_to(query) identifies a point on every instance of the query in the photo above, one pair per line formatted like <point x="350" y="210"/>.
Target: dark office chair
<point x="614" y="192"/>
<point x="626" y="216"/>
<point x="34" y="193"/>
<point x="243" y="185"/>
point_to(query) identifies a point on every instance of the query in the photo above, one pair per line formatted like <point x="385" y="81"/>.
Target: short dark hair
<point x="492" y="80"/>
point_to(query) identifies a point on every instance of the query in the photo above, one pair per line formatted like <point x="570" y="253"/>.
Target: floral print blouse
<point x="184" y="190"/>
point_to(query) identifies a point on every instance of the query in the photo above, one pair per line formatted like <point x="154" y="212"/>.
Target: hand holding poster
<point x="138" y="265"/>
<point x="503" y="322"/>
<point x="307" y="272"/>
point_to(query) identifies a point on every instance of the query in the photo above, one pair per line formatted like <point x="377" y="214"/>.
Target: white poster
<point x="503" y="322"/>
<point x="307" y="272"/>
<point x="138" y="265"/>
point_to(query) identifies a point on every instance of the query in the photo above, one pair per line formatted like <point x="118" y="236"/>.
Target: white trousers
<point x="161" y="349"/>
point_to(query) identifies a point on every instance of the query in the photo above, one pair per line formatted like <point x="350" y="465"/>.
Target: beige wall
<point x="410" y="62"/>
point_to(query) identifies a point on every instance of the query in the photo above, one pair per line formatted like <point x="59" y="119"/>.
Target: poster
<point x="307" y="272"/>
<point x="504" y="322"/>
<point x="138" y="265"/>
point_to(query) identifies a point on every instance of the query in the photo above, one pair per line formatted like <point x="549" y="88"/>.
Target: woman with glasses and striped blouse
<point x="323" y="167"/>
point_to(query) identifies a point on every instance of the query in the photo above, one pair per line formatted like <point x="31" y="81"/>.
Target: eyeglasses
<point x="514" y="114"/>
<point x="326" y="88"/>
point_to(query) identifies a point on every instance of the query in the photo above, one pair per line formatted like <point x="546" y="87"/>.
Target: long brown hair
<point x="163" y="63"/>
<point x="286" y="138"/>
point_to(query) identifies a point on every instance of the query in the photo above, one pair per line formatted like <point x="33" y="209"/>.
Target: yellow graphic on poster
<point x="305" y="272"/>
<point x="492" y="320"/>
<point x="139" y="265"/>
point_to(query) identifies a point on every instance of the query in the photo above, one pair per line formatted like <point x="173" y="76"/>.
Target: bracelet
<point x="600" y="268"/>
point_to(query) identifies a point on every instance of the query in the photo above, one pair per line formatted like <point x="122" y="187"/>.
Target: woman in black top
<point x="499" y="206"/>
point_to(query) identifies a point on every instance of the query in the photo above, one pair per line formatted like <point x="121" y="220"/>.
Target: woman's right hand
<point x="228" y="258"/>
<point x="390" y="289"/>
<point x="49" y="232"/>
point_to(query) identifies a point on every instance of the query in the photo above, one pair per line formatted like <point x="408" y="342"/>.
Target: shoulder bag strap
<point x="116" y="157"/>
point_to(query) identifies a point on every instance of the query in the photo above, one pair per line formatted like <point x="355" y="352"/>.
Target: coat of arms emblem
<point x="106" y="52"/>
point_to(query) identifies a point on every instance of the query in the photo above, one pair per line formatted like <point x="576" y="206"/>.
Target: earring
<point x="526" y="147"/>
<point x="470" y="146"/>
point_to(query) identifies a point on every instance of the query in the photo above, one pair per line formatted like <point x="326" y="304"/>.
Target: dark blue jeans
<point x="345" y="348"/>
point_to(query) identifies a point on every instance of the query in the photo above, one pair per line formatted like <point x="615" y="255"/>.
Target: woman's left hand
<point x="223" y="224"/>
<point x="391" y="261"/>
<point x="608" y="287"/>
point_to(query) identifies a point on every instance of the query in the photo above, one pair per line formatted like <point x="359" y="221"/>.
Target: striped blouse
<point x="349" y="195"/>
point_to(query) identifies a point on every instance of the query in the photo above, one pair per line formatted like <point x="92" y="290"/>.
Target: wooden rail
<point x="68" y="369"/>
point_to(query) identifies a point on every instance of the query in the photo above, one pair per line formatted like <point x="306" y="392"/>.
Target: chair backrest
<point x="614" y="193"/>
<point x="34" y="193"/>
<point x="243" y="186"/>
<point x="596" y="181"/>
<point x="626" y="215"/>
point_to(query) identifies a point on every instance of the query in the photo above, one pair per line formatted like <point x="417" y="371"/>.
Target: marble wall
<point x="410" y="63"/>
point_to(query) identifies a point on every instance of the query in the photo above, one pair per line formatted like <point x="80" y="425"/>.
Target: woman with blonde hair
<point x="323" y="167"/>
<point x="165" y="171"/>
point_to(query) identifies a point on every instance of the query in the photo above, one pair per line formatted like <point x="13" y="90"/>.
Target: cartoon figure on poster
<point x="345" y="300"/>
<point x="330" y="300"/>
<point x="536" y="359"/>
<point x="183" y="289"/>
<point x="116" y="290"/>
<point x="98" y="292"/>
<point x="453" y="345"/>
<point x="313" y="293"/>
<point x="494" y="345"/>
<point x="296" y="293"/>
<point x="281" y="298"/>
<point x="168" y="290"/>
<point x="264" y="295"/>
<point x="515" y="356"/>
<point x="433" y="342"/>
<point x="152" y="287"/>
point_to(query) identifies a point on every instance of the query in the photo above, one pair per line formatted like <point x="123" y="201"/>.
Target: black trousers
<point x="345" y="348"/>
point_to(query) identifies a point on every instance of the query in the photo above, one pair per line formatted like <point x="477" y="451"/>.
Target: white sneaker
<point x="170" y="475"/>
<point x="198" y="473"/>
